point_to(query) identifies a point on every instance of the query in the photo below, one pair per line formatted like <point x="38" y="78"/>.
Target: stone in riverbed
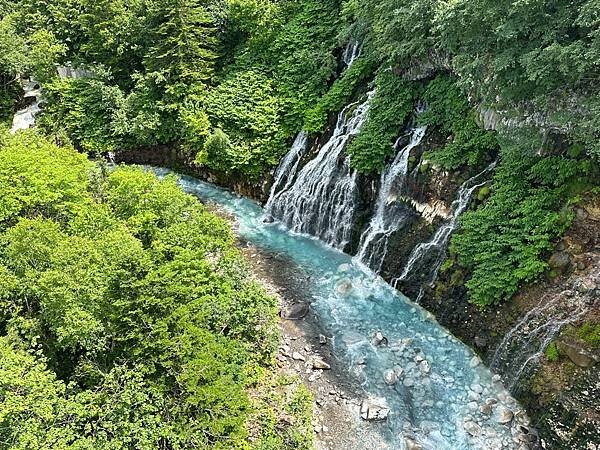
<point x="298" y="356"/>
<point x="380" y="339"/>
<point x="505" y="415"/>
<point x="374" y="409"/>
<point x="472" y="428"/>
<point x="411" y="444"/>
<point x="475" y="361"/>
<point x="318" y="363"/>
<point x="343" y="287"/>
<point x="344" y="267"/>
<point x="391" y="376"/>
<point x="486" y="409"/>
<point x="295" y="311"/>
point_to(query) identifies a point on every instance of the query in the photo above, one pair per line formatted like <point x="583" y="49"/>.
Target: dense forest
<point x="128" y="319"/>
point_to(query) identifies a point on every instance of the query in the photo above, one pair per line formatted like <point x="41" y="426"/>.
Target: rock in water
<point x="505" y="415"/>
<point x="344" y="268"/>
<point x="411" y="444"/>
<point x="472" y="428"/>
<point x="295" y="311"/>
<point x="343" y="287"/>
<point x="389" y="376"/>
<point x="380" y="339"/>
<point x="374" y="409"/>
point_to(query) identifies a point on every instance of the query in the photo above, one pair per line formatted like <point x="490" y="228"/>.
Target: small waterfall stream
<point x="351" y="52"/>
<point x="522" y="347"/>
<point x="433" y="252"/>
<point x="284" y="175"/>
<point x="321" y="201"/>
<point x="25" y="118"/>
<point x="389" y="214"/>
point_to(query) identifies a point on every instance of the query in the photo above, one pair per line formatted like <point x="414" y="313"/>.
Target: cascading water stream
<point x="433" y="385"/>
<point x="25" y="118"/>
<point x="388" y="215"/>
<point x="352" y="52"/>
<point x="321" y="201"/>
<point x="434" y="250"/>
<point x="522" y="347"/>
<point x="284" y="175"/>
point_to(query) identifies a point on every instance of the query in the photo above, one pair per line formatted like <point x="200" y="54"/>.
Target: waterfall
<point x="284" y="175"/>
<point x="25" y="118"/>
<point x="321" y="201"/>
<point x="522" y="347"/>
<point x="389" y="214"/>
<point x="352" y="52"/>
<point x="436" y="247"/>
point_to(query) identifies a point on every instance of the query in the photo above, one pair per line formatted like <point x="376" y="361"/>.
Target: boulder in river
<point x="374" y="409"/>
<point x="379" y="339"/>
<point x="472" y="428"/>
<point x="505" y="415"/>
<point x="343" y="287"/>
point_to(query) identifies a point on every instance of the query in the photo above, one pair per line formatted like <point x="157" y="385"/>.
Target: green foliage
<point x="338" y="96"/>
<point x="515" y="56"/>
<point x="126" y="309"/>
<point x="503" y="242"/>
<point x="88" y="109"/>
<point x="44" y="53"/>
<point x="449" y="111"/>
<point x="296" y="52"/>
<point x="389" y="109"/>
<point x="248" y="115"/>
<point x="552" y="352"/>
<point x="589" y="333"/>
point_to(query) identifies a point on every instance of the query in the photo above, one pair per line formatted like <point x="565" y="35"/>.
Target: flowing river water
<point x="431" y="388"/>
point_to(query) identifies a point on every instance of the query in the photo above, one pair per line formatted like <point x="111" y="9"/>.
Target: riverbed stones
<point x="505" y="415"/>
<point x="374" y="410"/>
<point x="295" y="311"/>
<point x="486" y="409"/>
<point x="424" y="367"/>
<point x="411" y="444"/>
<point x="298" y="356"/>
<point x="379" y="339"/>
<point x="391" y="376"/>
<point x="472" y="428"/>
<point x="343" y="268"/>
<point x="318" y="363"/>
<point x="475" y="361"/>
<point x="343" y="287"/>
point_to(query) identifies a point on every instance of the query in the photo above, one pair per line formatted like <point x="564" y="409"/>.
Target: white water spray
<point x="437" y="245"/>
<point x="522" y="347"/>
<point x="25" y="118"/>
<point x="322" y="199"/>
<point x="388" y="215"/>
